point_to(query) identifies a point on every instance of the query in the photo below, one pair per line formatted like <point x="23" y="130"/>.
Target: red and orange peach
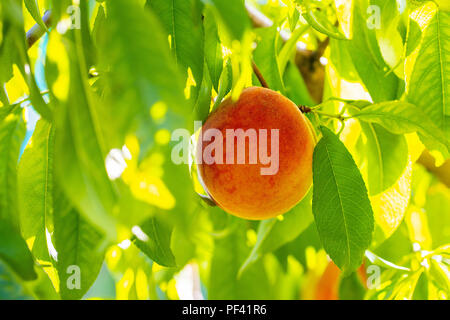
<point x="249" y="190"/>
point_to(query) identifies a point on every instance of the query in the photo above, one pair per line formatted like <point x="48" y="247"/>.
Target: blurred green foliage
<point x="95" y="207"/>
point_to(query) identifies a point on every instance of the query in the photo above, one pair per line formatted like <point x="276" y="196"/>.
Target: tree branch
<point x="259" y="75"/>
<point x="442" y="172"/>
<point x="36" y="32"/>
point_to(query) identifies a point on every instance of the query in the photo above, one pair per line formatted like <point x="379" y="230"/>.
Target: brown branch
<point x="36" y="32"/>
<point x="442" y="172"/>
<point x="304" y="109"/>
<point x="259" y="75"/>
<point x="321" y="47"/>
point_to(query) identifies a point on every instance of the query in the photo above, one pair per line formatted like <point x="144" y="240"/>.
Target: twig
<point x="330" y="115"/>
<point x="321" y="47"/>
<point x="259" y="75"/>
<point x="304" y="109"/>
<point x="36" y="32"/>
<point x="442" y="172"/>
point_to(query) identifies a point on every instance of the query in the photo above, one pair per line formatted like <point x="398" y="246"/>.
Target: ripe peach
<point x="328" y="286"/>
<point x="250" y="190"/>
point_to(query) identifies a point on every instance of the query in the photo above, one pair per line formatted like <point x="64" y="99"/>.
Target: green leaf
<point x="265" y="57"/>
<point x="46" y="211"/>
<point x="295" y="86"/>
<point x="90" y="53"/>
<point x="99" y="24"/>
<point x="421" y="289"/>
<point x="10" y="288"/>
<point x="225" y="84"/>
<point x="341" y="207"/>
<point x="229" y="253"/>
<point x="14" y="251"/>
<point x="203" y="103"/>
<point x="429" y="85"/>
<point x="297" y="248"/>
<point x="351" y="288"/>
<point x="13" y="248"/>
<point x="81" y="147"/>
<point x="12" y="131"/>
<point x="10" y="13"/>
<point x="339" y="58"/>
<point x="401" y="117"/>
<point x="387" y="156"/>
<point x="153" y="238"/>
<point x="290" y="47"/>
<point x="35" y="180"/>
<point x="438" y="197"/>
<point x="274" y="233"/>
<point x="293" y="16"/>
<point x="14" y="288"/>
<point x="439" y="273"/>
<point x="390" y="206"/>
<point x="144" y="77"/>
<point x="33" y="8"/>
<point x="142" y="69"/>
<point x="213" y="49"/>
<point x="393" y="249"/>
<point x="59" y="8"/>
<point x="186" y="34"/>
<point x="317" y="17"/>
<point x="13" y="50"/>
<point x="367" y="58"/>
<point x="80" y="249"/>
<point x="413" y="37"/>
<point x="388" y="35"/>
<point x="234" y="15"/>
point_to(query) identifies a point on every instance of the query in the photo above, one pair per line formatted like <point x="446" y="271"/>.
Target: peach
<point x="276" y="173"/>
<point x="328" y="285"/>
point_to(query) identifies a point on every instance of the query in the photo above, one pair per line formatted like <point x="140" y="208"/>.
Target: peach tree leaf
<point x="46" y="212"/>
<point x="183" y="23"/>
<point x="13" y="248"/>
<point x="80" y="249"/>
<point x="341" y="206"/>
<point x="35" y="180"/>
<point x="367" y="59"/>
<point x="317" y="17"/>
<point x="33" y="8"/>
<point x="213" y="49"/>
<point x="265" y="57"/>
<point x="387" y="156"/>
<point x="234" y="15"/>
<point x="142" y="72"/>
<point x="430" y="77"/>
<point x="153" y="239"/>
<point x="229" y="254"/>
<point x="274" y="233"/>
<point x="401" y="117"/>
